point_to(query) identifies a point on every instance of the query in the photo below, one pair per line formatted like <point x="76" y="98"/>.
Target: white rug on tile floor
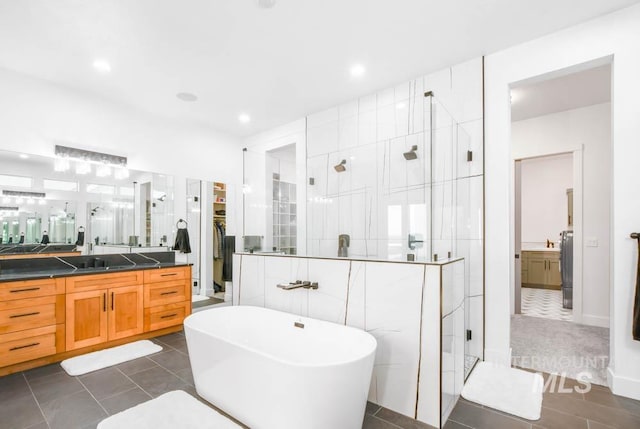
<point x="196" y="298"/>
<point x="94" y="361"/>
<point x="176" y="409"/>
<point x="510" y="390"/>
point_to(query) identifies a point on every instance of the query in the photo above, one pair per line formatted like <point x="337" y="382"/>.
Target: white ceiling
<point x="572" y="91"/>
<point x="275" y="64"/>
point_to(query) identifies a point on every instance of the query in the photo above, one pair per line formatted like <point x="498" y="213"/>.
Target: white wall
<point x="544" y="198"/>
<point x="613" y="37"/>
<point x="36" y="115"/>
<point x="589" y="128"/>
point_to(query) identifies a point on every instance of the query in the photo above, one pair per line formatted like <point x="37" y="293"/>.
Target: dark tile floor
<point x="48" y="398"/>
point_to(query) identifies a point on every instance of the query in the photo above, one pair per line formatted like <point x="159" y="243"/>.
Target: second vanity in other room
<point x="541" y="268"/>
<point x="55" y="308"/>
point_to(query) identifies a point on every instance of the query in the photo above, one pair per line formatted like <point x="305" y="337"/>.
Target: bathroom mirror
<point x="119" y="211"/>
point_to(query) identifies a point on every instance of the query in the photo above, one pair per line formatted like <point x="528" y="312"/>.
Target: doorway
<point x="544" y="235"/>
<point x="561" y="149"/>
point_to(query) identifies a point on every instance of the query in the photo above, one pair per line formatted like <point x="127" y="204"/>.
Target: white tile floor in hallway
<point x="544" y="303"/>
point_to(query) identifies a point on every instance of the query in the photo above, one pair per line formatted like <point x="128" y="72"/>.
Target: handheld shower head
<point x="341" y="167"/>
<point x="411" y="154"/>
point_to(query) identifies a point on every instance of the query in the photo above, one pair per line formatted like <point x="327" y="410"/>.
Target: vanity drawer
<point x="166" y="292"/>
<point x="31" y="313"/>
<point x="164" y="316"/>
<point x="166" y="274"/>
<point x="30" y="289"/>
<point x="103" y="281"/>
<point x="31" y="344"/>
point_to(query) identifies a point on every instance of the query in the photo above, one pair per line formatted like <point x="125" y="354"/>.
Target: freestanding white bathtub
<point x="276" y="370"/>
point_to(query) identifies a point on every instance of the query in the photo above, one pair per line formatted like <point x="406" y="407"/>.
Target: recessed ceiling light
<point x="357" y="70"/>
<point x="186" y="96"/>
<point x="244" y="118"/>
<point x="102" y="66"/>
<point x="24" y="156"/>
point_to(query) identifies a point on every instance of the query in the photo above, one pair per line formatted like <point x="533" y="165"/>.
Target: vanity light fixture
<point x="121" y="173"/>
<point x="26" y="194"/>
<point x="103" y="170"/>
<point x="83" y="167"/>
<point x="90" y="156"/>
<point x="61" y="165"/>
<point x="84" y="159"/>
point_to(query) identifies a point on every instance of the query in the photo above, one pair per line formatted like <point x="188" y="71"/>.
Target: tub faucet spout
<point x="298" y="284"/>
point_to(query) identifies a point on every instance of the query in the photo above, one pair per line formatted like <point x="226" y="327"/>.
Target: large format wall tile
<point x="396" y="302"/>
<point x="281" y="269"/>
<point x="322" y="139"/>
<point x="356" y="295"/>
<point x="329" y="301"/>
<point x="392" y="315"/>
<point x="251" y="289"/>
<point x="367" y="127"/>
<point x="430" y="375"/>
<point x="348" y="132"/>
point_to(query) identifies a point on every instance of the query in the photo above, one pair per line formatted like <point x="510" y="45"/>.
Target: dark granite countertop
<point x="26" y="249"/>
<point x="40" y="268"/>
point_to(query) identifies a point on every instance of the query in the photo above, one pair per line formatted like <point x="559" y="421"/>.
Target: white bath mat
<point x="108" y="357"/>
<point x="510" y="390"/>
<point x="172" y="410"/>
<point x="196" y="298"/>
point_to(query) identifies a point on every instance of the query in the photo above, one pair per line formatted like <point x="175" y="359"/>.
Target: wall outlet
<point x="591" y="242"/>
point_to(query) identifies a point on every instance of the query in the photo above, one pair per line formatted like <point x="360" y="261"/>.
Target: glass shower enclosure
<point x="402" y="181"/>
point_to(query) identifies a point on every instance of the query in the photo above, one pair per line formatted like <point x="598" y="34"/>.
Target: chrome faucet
<point x="298" y="284"/>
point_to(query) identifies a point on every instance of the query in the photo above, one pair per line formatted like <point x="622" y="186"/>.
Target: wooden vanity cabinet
<point x="32" y="319"/>
<point x="96" y="314"/>
<point x="541" y="269"/>
<point x="48" y="320"/>
<point x="167" y="297"/>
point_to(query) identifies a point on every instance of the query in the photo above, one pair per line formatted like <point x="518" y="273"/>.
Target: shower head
<point x="341" y="167"/>
<point x="411" y="154"/>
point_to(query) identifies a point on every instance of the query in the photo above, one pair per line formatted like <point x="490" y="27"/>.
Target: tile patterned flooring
<point x="47" y="397"/>
<point x="544" y="303"/>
